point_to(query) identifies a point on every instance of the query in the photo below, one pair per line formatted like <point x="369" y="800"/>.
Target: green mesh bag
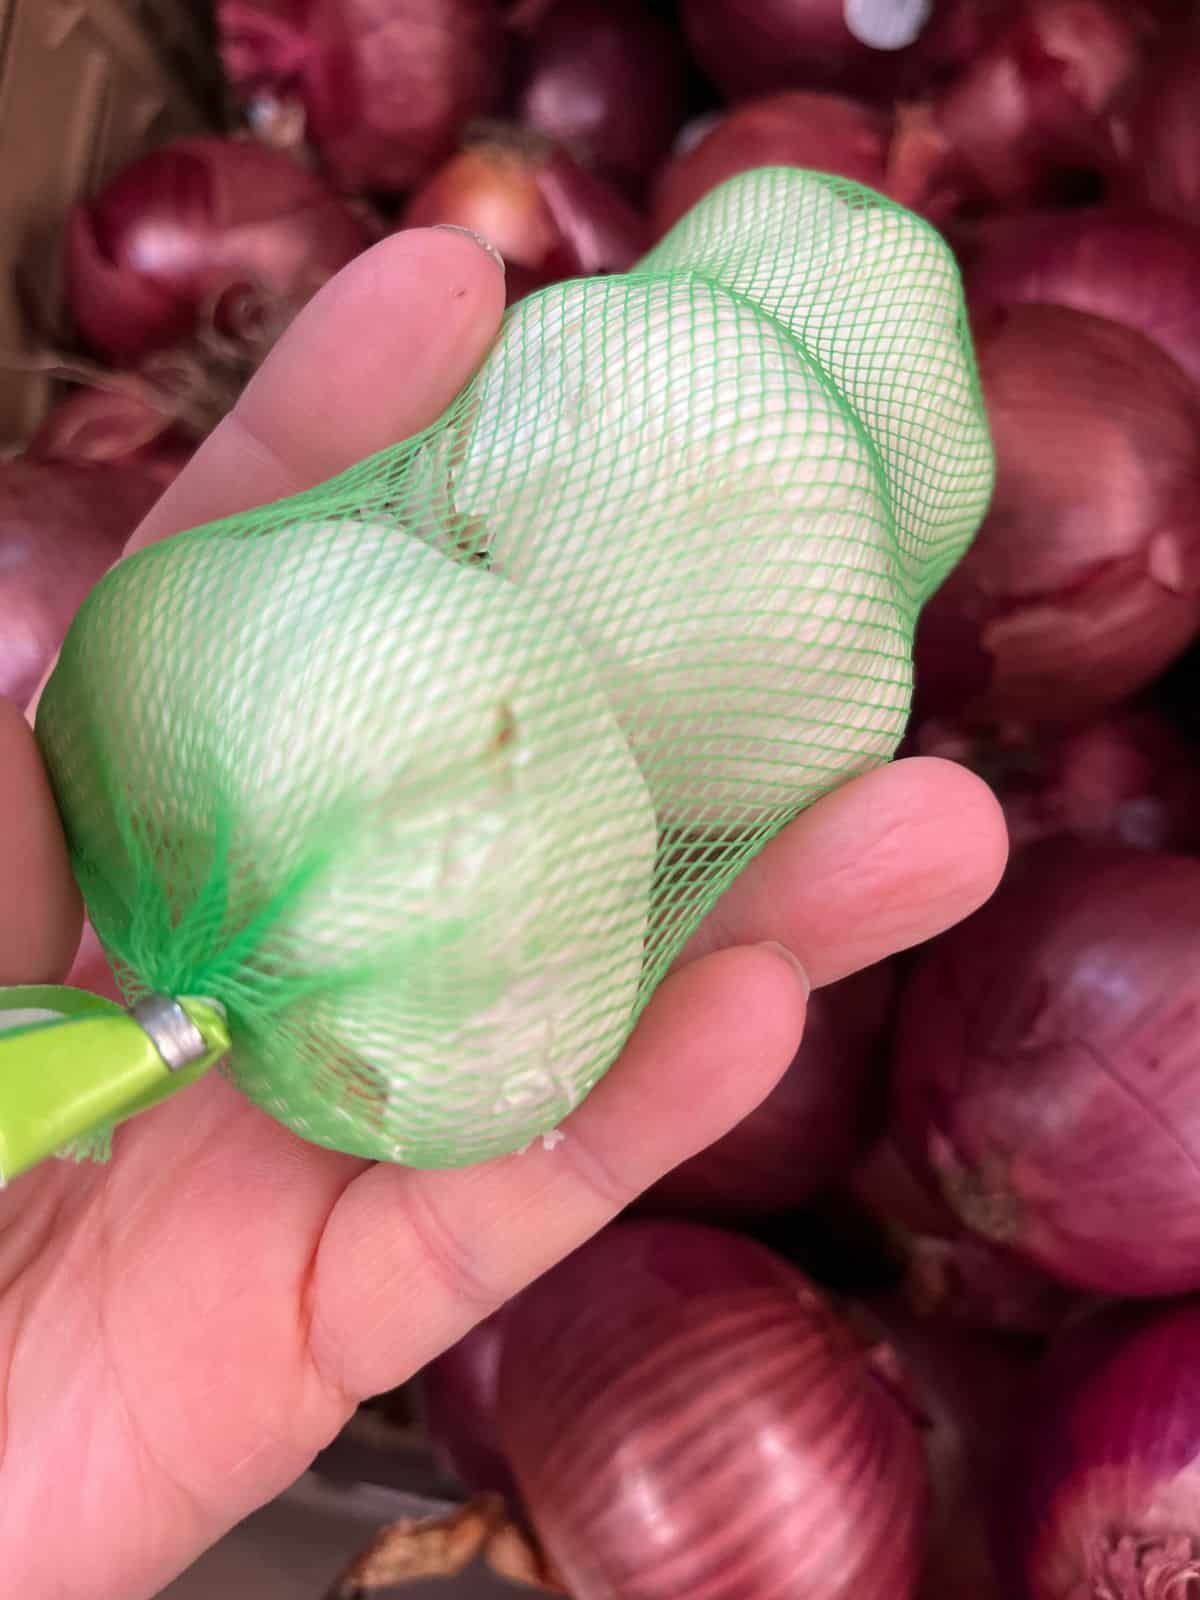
<point x="425" y="776"/>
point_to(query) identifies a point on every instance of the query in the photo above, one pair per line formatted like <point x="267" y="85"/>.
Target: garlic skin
<point x="736" y="473"/>
<point x="412" y="778"/>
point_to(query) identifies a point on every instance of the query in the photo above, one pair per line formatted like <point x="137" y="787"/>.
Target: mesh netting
<point x="427" y="775"/>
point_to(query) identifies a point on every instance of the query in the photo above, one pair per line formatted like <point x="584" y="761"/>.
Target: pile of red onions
<point x="204" y="233"/>
<point x="752" y="46"/>
<point x="1084" y="580"/>
<point x="548" y="217"/>
<point x="1139" y="270"/>
<point x="1129" y="777"/>
<point x="1102" y="1495"/>
<point x="61" y="527"/>
<point x="813" y="1124"/>
<point x="386" y="87"/>
<point x="687" y="1417"/>
<point x="608" y="81"/>
<point x="1032" y="108"/>
<point x="1048" y="1070"/>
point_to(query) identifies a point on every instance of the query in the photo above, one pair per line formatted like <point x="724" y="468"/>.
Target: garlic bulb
<point x="736" y="473"/>
<point x="434" y="847"/>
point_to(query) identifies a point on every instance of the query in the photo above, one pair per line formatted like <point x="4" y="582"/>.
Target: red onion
<point x="826" y="132"/>
<point x="61" y="528"/>
<point x="688" y="1418"/>
<point x="883" y="47"/>
<point x="943" y="1271"/>
<point x="1138" y="270"/>
<point x="811" y="1126"/>
<point x="386" y="86"/>
<point x="1048" y="1067"/>
<point x="1128" y="778"/>
<point x="458" y="1410"/>
<point x="1104" y="1495"/>
<point x="1084" y="581"/>
<point x="119" y="426"/>
<point x="1033" y="105"/>
<point x="204" y="227"/>
<point x="548" y="217"/>
<point x="1157" y="137"/>
<point x="609" y="81"/>
<point x="971" y="1386"/>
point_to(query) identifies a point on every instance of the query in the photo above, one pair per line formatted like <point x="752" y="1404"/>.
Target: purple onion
<point x="1048" y="1067"/>
<point x="688" y="1418"/>
<point x="1104" y="1495"/>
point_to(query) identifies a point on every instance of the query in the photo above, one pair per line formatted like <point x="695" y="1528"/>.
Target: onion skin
<point x="1083" y="582"/>
<point x="458" y="1410"/>
<point x="755" y="46"/>
<point x="1128" y="778"/>
<point x="1157" y="136"/>
<point x="1047" y="1072"/>
<point x="61" y="527"/>
<point x="1107" y="1496"/>
<point x="387" y="86"/>
<point x="548" y="217"/>
<point x="1035" y="103"/>
<point x="825" y="132"/>
<point x="971" y="1386"/>
<point x="682" y="1411"/>
<point x="194" y="227"/>
<point x="120" y="428"/>
<point x="811" y="1126"/>
<point x="1141" y="271"/>
<point x="610" y="82"/>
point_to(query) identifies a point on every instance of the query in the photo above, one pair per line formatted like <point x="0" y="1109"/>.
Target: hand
<point x="182" y="1329"/>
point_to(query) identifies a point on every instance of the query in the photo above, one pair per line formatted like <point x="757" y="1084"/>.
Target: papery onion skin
<point x="825" y="132"/>
<point x="1083" y="582"/>
<point x="1033" y="106"/>
<point x="387" y="86"/>
<point x="942" y="1272"/>
<point x="1103" y="1496"/>
<point x="817" y="1119"/>
<point x="610" y="82"/>
<point x="197" y="223"/>
<point x="1157" y="136"/>
<point x="548" y="218"/>
<point x="1139" y="270"/>
<point x="1047" y="1067"/>
<point x="688" y="1418"/>
<point x="121" y="428"/>
<point x="61" y="527"/>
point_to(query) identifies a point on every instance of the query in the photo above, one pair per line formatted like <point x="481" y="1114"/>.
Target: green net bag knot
<point x="426" y="776"/>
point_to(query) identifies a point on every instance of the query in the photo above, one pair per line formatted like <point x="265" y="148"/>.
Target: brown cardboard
<point x="85" y="85"/>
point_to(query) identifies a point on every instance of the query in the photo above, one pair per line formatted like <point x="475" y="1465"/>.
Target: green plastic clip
<point x="72" y="1063"/>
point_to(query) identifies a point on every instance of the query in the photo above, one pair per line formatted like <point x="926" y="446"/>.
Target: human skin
<point x="182" y="1329"/>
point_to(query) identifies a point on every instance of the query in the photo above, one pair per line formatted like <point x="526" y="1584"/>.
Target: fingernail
<point x="793" y="961"/>
<point x="485" y="245"/>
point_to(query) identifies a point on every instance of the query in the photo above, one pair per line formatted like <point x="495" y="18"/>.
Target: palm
<point x="181" y="1330"/>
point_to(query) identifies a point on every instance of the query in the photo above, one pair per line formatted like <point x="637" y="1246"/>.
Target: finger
<point x="40" y="912"/>
<point x="880" y="865"/>
<point x="376" y="356"/>
<point x="410" y="1260"/>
